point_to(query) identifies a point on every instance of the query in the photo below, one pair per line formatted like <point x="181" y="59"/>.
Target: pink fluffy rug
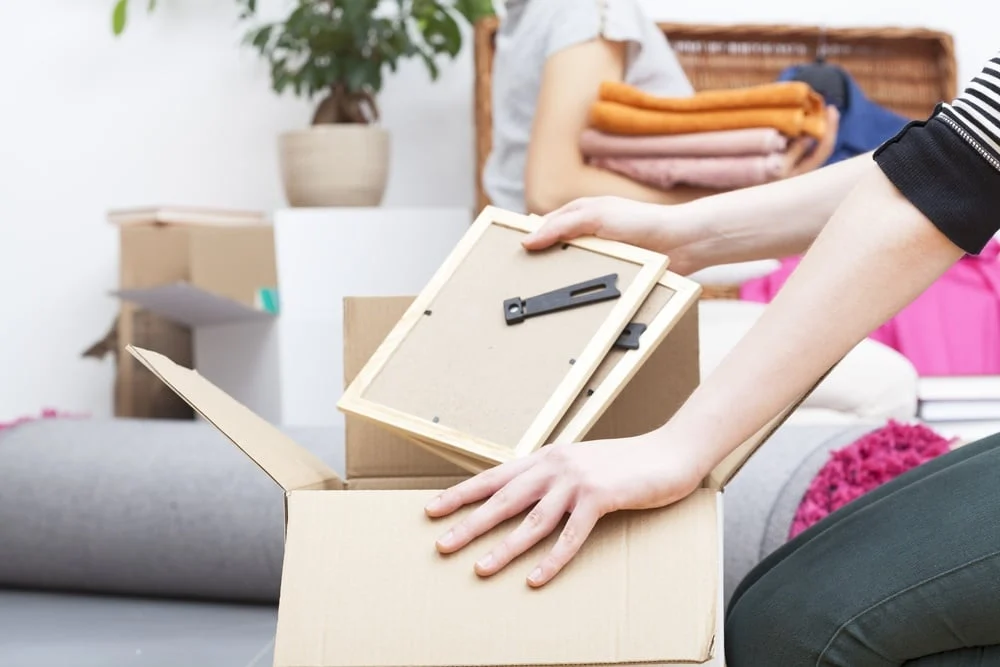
<point x="868" y="462"/>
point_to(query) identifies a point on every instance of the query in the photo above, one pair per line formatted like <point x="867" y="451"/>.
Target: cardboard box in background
<point x="198" y="275"/>
<point x="656" y="392"/>
<point x="180" y="268"/>
<point x="646" y="587"/>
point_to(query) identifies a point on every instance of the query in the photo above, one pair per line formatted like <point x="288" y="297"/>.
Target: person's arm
<point x="555" y="172"/>
<point x="767" y="221"/>
<point x="931" y="195"/>
<point x="875" y="256"/>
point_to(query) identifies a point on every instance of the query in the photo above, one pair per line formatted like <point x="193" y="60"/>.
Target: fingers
<point x="797" y="148"/>
<point x="569" y="222"/>
<point x="539" y="522"/>
<point x="579" y="526"/>
<point x="508" y="501"/>
<point x="476" y="488"/>
<point x="824" y="149"/>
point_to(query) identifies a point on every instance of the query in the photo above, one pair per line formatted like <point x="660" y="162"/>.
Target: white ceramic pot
<point x="335" y="165"/>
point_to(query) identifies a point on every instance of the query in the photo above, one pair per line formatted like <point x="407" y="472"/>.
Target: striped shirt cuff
<point x="948" y="167"/>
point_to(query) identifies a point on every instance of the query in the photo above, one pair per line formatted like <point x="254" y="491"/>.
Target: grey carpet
<point x="163" y="508"/>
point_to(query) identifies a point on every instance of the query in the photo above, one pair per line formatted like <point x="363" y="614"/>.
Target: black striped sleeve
<point x="948" y="166"/>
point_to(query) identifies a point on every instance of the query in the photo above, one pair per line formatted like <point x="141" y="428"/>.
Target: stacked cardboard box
<point x="180" y="268"/>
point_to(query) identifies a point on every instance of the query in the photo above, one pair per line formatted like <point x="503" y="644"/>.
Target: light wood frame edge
<point x="586" y="364"/>
<point x="686" y="293"/>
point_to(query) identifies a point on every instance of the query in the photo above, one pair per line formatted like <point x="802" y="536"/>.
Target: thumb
<point x="543" y="237"/>
<point x="561" y="226"/>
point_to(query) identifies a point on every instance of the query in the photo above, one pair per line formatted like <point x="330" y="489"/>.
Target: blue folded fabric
<point x="864" y="125"/>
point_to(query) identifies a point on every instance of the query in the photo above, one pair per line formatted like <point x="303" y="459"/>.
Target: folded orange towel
<point x="791" y="107"/>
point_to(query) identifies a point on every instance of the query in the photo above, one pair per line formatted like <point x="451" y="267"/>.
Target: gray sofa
<point x="156" y="543"/>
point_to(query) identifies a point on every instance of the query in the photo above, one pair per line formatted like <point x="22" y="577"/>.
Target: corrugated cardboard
<point x="363" y="586"/>
<point x="402" y="483"/>
<point x="650" y="398"/>
<point x="200" y="275"/>
<point x="181" y="267"/>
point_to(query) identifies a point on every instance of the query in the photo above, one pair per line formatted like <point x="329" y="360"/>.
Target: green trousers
<point x="908" y="574"/>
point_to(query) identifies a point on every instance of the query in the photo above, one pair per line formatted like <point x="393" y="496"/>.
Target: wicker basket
<point x="908" y="70"/>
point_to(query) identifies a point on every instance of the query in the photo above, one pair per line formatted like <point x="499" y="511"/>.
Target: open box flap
<point x="727" y="469"/>
<point x="193" y="306"/>
<point x="289" y="464"/>
<point x="360" y="563"/>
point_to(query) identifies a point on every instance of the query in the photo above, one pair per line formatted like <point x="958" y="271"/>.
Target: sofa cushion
<point x="872" y="382"/>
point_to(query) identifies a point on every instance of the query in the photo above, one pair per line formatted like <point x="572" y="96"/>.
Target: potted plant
<point x="338" y="52"/>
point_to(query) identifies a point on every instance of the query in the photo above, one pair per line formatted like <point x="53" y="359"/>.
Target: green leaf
<point x="432" y="68"/>
<point x="152" y="5"/>
<point x="441" y="32"/>
<point x="119" y="17"/>
<point x="475" y="10"/>
<point x="262" y="37"/>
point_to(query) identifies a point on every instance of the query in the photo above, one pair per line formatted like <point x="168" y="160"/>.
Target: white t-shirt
<point x="531" y="31"/>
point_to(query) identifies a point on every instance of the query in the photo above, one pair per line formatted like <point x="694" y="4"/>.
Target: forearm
<point x="546" y="193"/>
<point x="768" y="221"/>
<point x="875" y="256"/>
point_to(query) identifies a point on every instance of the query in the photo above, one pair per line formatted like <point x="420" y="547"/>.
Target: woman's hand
<point x="806" y="154"/>
<point x="586" y="480"/>
<point x="663" y="228"/>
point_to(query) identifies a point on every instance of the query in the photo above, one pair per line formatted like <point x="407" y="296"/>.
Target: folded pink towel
<point x="714" y="173"/>
<point x="753" y="141"/>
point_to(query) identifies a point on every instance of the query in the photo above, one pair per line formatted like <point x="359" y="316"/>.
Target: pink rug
<point x="868" y="462"/>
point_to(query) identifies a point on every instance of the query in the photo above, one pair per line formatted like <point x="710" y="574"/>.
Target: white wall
<point x="177" y="112"/>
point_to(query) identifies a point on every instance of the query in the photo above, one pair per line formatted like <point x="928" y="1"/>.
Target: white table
<point x="290" y="369"/>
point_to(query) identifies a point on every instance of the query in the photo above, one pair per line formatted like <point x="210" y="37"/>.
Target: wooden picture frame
<point x="659" y="313"/>
<point x="400" y="379"/>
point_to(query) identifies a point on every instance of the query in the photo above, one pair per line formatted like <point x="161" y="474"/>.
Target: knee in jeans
<point x="767" y="625"/>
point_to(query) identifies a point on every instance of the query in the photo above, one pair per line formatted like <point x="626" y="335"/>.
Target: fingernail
<point x="485" y="562"/>
<point x="434" y="504"/>
<point x="535" y="576"/>
<point x="447" y="539"/>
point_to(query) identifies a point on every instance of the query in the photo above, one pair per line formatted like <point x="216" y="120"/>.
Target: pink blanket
<point x="754" y="141"/>
<point x="953" y="328"/>
<point x="717" y="173"/>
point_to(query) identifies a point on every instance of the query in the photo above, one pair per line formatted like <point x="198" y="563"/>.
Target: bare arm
<point x="556" y="172"/>
<point x="877" y="254"/>
<point x="763" y="222"/>
<point x="768" y="221"/>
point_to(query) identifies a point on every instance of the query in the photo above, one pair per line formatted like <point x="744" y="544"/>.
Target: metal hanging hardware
<point x="517" y="309"/>
<point x="629" y="338"/>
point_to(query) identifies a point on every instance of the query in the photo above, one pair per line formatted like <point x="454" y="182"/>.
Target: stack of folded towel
<point x="718" y="139"/>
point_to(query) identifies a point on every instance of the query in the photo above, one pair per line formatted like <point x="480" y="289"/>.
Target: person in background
<point x="908" y="574"/>
<point x="551" y="57"/>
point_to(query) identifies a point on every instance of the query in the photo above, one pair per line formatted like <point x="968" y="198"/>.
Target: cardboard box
<point x="646" y="402"/>
<point x="198" y="275"/>
<point x="178" y="268"/>
<point x="645" y="587"/>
